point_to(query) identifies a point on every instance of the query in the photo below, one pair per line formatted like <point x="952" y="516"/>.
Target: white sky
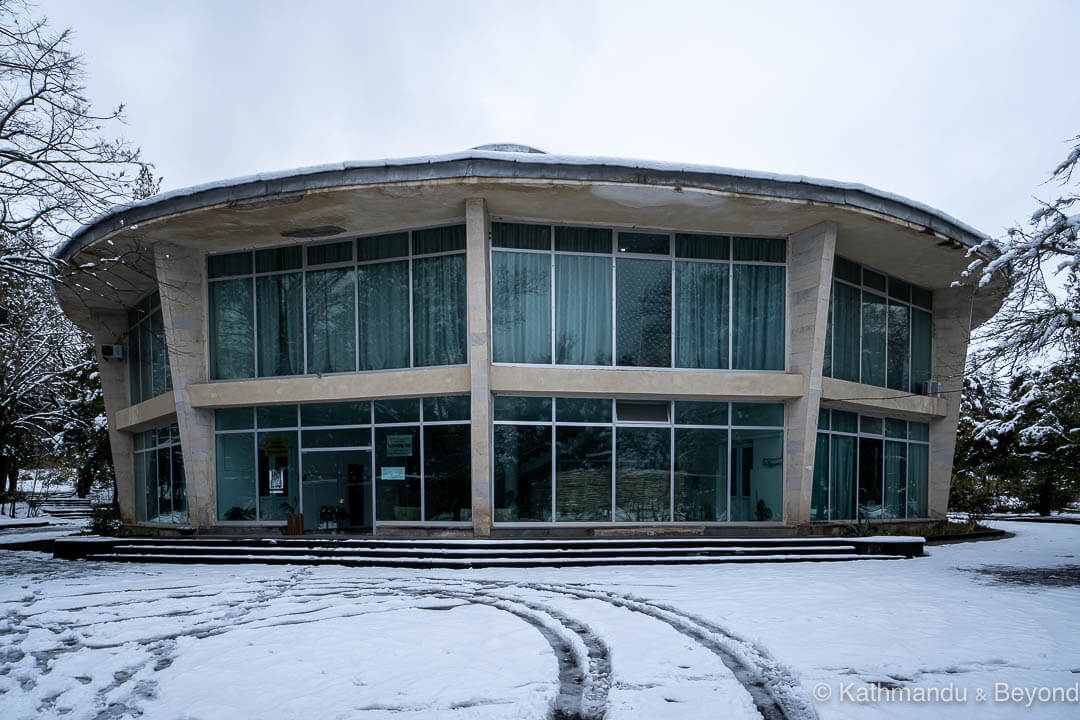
<point x="965" y="106"/>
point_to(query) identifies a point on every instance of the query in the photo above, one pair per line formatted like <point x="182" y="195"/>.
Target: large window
<point x="870" y="468"/>
<point x="596" y="296"/>
<point x="375" y="303"/>
<point x="879" y="331"/>
<point x="589" y="460"/>
<point x="160" y="492"/>
<point x="148" y="357"/>
<point x="275" y="460"/>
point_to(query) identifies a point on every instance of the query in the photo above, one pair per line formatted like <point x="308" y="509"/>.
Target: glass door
<point x="336" y="491"/>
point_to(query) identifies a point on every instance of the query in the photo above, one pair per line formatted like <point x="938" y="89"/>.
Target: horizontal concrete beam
<point x="870" y="399"/>
<point x="645" y="383"/>
<point x="158" y="410"/>
<point x="328" y="388"/>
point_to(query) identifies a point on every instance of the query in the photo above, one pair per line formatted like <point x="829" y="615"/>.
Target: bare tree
<point x="1041" y="316"/>
<point x="57" y="169"/>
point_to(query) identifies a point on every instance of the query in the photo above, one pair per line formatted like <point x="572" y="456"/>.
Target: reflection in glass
<point x="397" y="473"/>
<point x="643" y="474"/>
<point x="439" y="310"/>
<point x="447" y="478"/>
<point x="521" y="307"/>
<point x="383" y="315"/>
<point x="583" y="474"/>
<point x="582" y="310"/>
<point x="331" y="321"/>
<point x="871" y="468"/>
<point x="643" y="313"/>
<point x="757" y="476"/>
<point x="522" y="473"/>
<point x="700" y="475"/>
<point x="235" y="476"/>
<point x="279" y="486"/>
<point x="280" y="324"/>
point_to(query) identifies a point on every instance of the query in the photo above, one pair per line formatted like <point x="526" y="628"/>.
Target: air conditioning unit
<point x="112" y="352"/>
<point x="931" y="388"/>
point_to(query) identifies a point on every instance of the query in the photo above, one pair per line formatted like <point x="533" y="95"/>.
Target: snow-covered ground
<point x="91" y="640"/>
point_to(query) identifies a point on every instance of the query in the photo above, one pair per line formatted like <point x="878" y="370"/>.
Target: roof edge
<point x="501" y="164"/>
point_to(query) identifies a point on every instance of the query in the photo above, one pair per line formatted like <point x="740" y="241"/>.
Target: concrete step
<point x="479" y="553"/>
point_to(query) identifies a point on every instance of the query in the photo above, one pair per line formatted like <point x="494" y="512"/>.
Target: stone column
<point x="476" y="233"/>
<point x="109" y="329"/>
<point x="810" y="267"/>
<point x="181" y="276"/>
<point x="952" y="329"/>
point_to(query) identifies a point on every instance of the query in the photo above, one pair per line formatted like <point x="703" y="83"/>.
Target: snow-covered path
<point x="93" y="640"/>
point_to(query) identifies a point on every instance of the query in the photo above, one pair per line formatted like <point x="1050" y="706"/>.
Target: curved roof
<point x="504" y="160"/>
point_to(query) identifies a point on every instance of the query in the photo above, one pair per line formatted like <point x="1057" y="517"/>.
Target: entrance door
<point x="336" y="491"/>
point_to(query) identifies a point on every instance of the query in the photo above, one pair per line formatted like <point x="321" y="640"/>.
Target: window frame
<point x="672" y="258"/>
<point x="614" y="424"/>
<point x="303" y="269"/>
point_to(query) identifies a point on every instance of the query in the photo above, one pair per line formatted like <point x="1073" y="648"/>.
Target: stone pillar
<point x="476" y="233"/>
<point x="109" y="329"/>
<point x="810" y="267"/>
<point x="952" y="330"/>
<point x="181" y="276"/>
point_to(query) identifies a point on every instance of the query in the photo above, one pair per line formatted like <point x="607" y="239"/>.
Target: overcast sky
<point x="965" y="106"/>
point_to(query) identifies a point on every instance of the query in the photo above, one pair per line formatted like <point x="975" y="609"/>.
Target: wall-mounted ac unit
<point x="931" y="388"/>
<point x="112" y="352"/>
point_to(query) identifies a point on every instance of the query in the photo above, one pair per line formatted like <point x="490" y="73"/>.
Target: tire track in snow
<point x="775" y="692"/>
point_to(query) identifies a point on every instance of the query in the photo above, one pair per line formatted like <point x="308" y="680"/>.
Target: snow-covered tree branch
<point x="1041" y="316"/>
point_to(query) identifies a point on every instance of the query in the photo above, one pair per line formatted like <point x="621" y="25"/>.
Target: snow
<point x="525" y="157"/>
<point x="85" y="639"/>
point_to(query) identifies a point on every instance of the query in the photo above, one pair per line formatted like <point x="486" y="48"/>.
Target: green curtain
<point x="331" y="321"/>
<point x="842" y="478"/>
<point x="643" y="312"/>
<point x="918" y="468"/>
<point x="845" y="332"/>
<point x="521" y="307"/>
<point x="895" y="478"/>
<point x="439" y="321"/>
<point x="582" y="310"/>
<point x="874" y="313"/>
<point x="279" y="303"/>
<point x="899" y="351"/>
<point x="758" y="317"/>
<point x="921" y="337"/>
<point x="701" y="315"/>
<point x="232" y="329"/>
<point x="383" y="315"/>
<point x="819" y="496"/>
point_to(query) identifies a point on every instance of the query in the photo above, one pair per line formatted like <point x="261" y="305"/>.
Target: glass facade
<point x="148" y="358"/>
<point x="160" y="492"/>
<point x="870" y="468"/>
<point x="880" y="329"/>
<point x="374" y="303"/>
<point x="345" y="465"/>
<point x="587" y="460"/>
<point x="597" y="296"/>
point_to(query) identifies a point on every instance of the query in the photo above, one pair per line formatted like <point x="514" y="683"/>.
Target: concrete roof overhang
<point x="888" y="232"/>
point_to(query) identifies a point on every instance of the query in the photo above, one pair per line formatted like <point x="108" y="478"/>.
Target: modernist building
<point x="507" y="342"/>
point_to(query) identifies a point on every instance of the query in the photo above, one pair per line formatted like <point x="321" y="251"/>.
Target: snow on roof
<point x="513" y="153"/>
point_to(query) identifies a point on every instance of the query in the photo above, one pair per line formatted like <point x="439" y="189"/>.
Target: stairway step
<point x="488" y="562"/>
<point x="553" y="551"/>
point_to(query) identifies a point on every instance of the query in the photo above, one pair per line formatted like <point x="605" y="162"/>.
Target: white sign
<point x="393" y="473"/>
